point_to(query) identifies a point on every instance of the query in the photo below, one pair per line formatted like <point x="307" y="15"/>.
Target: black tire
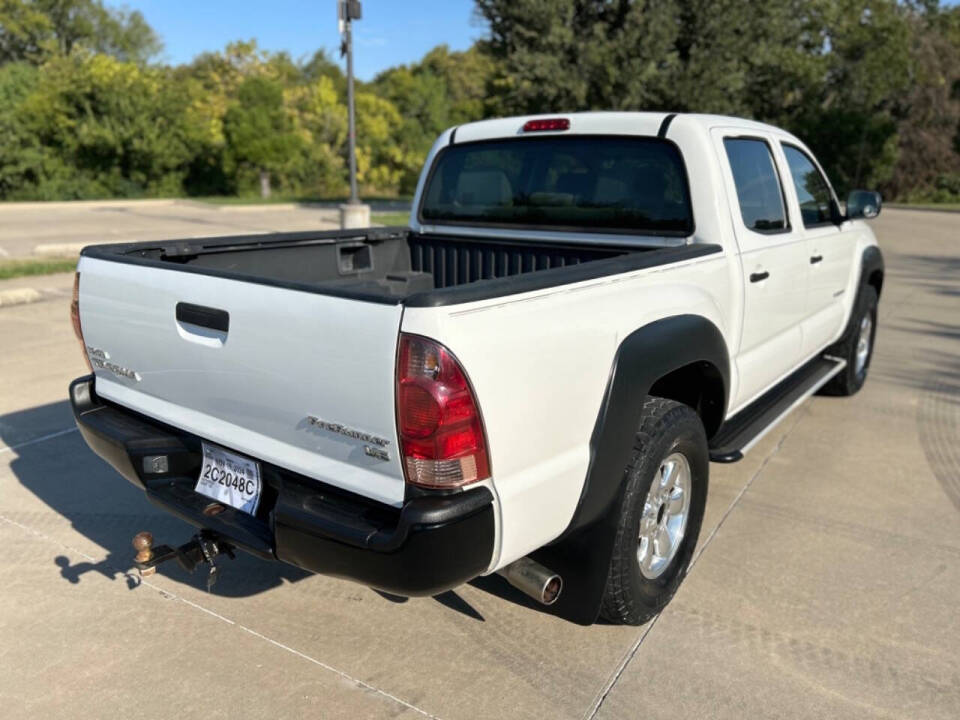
<point x="849" y="380"/>
<point x="666" y="427"/>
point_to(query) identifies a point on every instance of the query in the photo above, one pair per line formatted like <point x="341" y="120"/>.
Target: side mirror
<point x="863" y="204"/>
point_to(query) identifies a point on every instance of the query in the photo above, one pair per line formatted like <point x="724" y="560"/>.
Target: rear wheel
<point x="856" y="345"/>
<point x="661" y="512"/>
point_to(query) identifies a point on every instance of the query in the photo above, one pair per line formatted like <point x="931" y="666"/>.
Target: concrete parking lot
<point x="826" y="582"/>
<point x="62" y="228"/>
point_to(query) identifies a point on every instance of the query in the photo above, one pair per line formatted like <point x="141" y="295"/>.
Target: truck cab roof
<point x="605" y="123"/>
<point x="690" y="134"/>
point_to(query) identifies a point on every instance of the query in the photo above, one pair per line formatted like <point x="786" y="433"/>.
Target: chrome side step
<point x="745" y="429"/>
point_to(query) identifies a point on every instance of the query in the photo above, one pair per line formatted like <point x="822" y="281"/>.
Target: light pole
<point x="352" y="214"/>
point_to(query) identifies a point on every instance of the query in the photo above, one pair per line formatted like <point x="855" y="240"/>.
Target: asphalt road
<point x="826" y="583"/>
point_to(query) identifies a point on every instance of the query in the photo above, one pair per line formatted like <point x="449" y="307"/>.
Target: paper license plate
<point x="229" y="478"/>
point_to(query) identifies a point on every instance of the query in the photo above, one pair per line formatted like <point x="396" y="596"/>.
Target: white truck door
<point x="829" y="246"/>
<point x="773" y="259"/>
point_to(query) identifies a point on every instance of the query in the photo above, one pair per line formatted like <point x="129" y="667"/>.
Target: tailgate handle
<point x="207" y="317"/>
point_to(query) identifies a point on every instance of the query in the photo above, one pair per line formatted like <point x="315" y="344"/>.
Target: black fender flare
<point x="870" y="262"/>
<point x="582" y="553"/>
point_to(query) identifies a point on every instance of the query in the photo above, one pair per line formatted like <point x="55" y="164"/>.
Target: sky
<point x="392" y="32"/>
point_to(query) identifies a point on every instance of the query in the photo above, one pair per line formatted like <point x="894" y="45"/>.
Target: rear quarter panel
<point x="540" y="362"/>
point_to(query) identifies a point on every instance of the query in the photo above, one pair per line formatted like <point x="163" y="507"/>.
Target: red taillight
<point x="441" y="432"/>
<point x="547" y="124"/>
<point x="75" y="319"/>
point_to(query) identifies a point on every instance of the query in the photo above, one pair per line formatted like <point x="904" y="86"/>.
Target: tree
<point x="259" y="131"/>
<point x="20" y="152"/>
<point x="872" y="85"/>
<point x="322" y="66"/>
<point x="25" y="32"/>
<point x="320" y="120"/>
<point x="836" y="72"/>
<point x="566" y="55"/>
<point x="743" y="58"/>
<point x="928" y="161"/>
<point x="442" y="90"/>
<point x="382" y="160"/>
<point x="422" y="99"/>
<point x="467" y="76"/>
<point x="34" y="30"/>
<point x="91" y="126"/>
<point x="847" y="117"/>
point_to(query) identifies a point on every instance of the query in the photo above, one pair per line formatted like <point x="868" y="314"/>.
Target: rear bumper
<point x="430" y="545"/>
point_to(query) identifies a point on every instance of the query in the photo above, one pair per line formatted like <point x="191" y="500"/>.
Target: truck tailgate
<point x="301" y="380"/>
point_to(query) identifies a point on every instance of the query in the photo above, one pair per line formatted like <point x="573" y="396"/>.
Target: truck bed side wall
<point x="540" y="364"/>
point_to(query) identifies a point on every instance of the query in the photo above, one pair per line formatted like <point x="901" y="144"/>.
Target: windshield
<point x="600" y="184"/>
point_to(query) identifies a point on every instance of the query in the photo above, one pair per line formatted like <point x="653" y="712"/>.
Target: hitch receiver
<point x="203" y="547"/>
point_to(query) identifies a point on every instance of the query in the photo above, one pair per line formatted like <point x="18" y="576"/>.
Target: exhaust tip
<point x="533" y="579"/>
<point x="551" y="590"/>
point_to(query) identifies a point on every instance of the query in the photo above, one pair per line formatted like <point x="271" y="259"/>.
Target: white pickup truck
<point x="530" y="379"/>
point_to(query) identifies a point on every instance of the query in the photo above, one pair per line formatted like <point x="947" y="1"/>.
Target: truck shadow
<point x="67" y="477"/>
<point x="109" y="567"/>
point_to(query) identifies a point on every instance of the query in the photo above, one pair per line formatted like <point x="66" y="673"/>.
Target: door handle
<point x="202" y="316"/>
<point x="814" y="259"/>
<point x="758" y="276"/>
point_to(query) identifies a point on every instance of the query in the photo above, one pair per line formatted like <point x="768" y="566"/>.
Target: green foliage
<point x="320" y="120"/>
<point x="944" y="188"/>
<point x="35" y="30"/>
<point x="25" y="32"/>
<point x="259" y="131"/>
<point x="394" y="218"/>
<point x="20" y="152"/>
<point x="444" y="89"/>
<point x="578" y="55"/>
<point x="321" y="66"/>
<point x="872" y="85"/>
<point x="381" y="158"/>
<point x="92" y="126"/>
<point x="852" y="126"/>
<point x="929" y="111"/>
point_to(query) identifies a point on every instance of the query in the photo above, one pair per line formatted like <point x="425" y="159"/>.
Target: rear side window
<point x="600" y="184"/>
<point x="758" y="185"/>
<point x="813" y="192"/>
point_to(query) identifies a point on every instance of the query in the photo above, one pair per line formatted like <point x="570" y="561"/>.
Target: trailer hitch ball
<point x="143" y="544"/>
<point x="204" y="547"/>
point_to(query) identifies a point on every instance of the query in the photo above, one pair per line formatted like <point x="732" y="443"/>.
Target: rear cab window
<point x="588" y="183"/>
<point x="759" y="192"/>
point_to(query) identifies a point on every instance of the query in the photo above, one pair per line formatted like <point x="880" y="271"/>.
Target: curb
<point x="258" y="207"/>
<point x="59" y="249"/>
<point x="239" y="207"/>
<point x="58" y="204"/>
<point x="272" y="207"/>
<point x="19" y="296"/>
<point x="11" y="297"/>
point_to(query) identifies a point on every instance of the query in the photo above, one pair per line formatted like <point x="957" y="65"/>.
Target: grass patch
<point x="34" y="266"/>
<point x="927" y="205"/>
<point x="390" y="218"/>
